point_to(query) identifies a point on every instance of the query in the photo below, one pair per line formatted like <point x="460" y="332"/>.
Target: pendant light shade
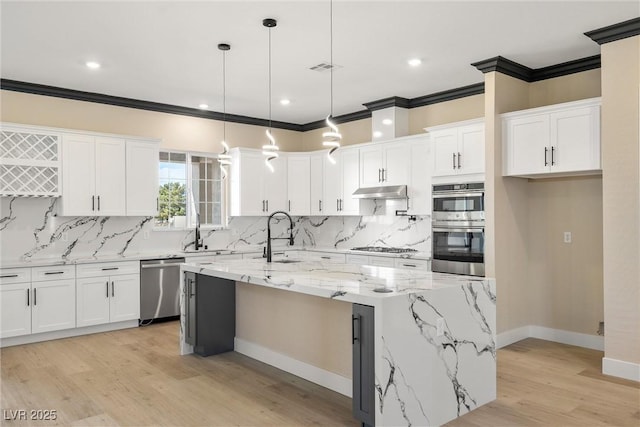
<point x="270" y="150"/>
<point x="332" y="138"/>
<point x="224" y="159"/>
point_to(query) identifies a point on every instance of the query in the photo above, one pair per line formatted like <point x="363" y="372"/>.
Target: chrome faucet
<point x="198" y="242"/>
<point x="269" y="238"/>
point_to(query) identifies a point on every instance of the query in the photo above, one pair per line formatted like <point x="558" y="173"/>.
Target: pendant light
<point x="270" y="150"/>
<point x="332" y="138"/>
<point x="224" y="158"/>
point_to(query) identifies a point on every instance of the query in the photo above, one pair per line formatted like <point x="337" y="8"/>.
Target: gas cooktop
<point x="384" y="249"/>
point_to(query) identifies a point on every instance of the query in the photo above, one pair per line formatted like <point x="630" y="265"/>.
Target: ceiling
<point x="166" y="51"/>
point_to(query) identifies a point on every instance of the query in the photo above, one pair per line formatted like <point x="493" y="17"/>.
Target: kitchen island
<point x="423" y="343"/>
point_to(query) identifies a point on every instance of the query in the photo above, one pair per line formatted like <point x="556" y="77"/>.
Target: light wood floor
<point x="135" y="377"/>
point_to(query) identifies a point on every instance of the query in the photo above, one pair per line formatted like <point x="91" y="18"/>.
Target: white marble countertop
<point x="347" y="282"/>
<point x="45" y="262"/>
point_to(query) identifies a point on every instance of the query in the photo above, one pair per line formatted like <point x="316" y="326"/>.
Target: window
<point x="190" y="185"/>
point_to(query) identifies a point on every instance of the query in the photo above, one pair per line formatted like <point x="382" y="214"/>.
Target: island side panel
<point x="426" y="379"/>
<point x="184" y="347"/>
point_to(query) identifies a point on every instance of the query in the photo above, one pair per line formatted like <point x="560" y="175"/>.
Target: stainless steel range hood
<point x="386" y="192"/>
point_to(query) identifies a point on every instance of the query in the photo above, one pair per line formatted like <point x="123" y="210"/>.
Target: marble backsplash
<point x="30" y="229"/>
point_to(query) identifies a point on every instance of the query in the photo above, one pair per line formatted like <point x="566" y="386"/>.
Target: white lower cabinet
<point x="36" y="300"/>
<point x="110" y="293"/>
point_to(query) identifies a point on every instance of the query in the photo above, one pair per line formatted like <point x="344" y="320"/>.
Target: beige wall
<point x="311" y="329"/>
<point x="621" y="197"/>
<point x="506" y="244"/>
<point x="355" y="132"/>
<point x="176" y="131"/>
<point x="565" y="279"/>
<point x="470" y="107"/>
<point x="565" y="89"/>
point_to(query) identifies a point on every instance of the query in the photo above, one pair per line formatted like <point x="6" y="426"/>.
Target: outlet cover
<point x="567" y="237"/>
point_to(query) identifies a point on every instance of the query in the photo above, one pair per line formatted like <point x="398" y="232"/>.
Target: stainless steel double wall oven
<point x="458" y="228"/>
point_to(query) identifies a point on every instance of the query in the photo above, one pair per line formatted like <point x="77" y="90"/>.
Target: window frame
<point x="190" y="216"/>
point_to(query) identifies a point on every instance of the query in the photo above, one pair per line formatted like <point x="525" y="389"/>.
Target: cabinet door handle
<point x="379" y="174"/>
<point x="325" y="257"/>
<point x="98" y="202"/>
<point x="110" y="268"/>
<point x="93" y="203"/>
<point x="113" y="289"/>
<point x="35" y="296"/>
<point x="454" y="160"/>
<point x="27" y="297"/>
<point x="546" y="163"/>
<point x="337" y="204"/>
<point x="107" y="288"/>
<point x="355" y="331"/>
<point x="409" y="265"/>
<point x="53" y="272"/>
<point x="319" y="205"/>
<point x="6" y="276"/>
<point x="384" y="174"/>
<point x="341" y="207"/>
<point x="553" y="149"/>
<point x="459" y="155"/>
<point x="289" y="205"/>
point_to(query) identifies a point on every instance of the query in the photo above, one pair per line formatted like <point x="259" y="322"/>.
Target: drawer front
<point x="381" y="261"/>
<point x="108" y="269"/>
<point x="60" y="272"/>
<point x="327" y="256"/>
<point x="421" y="264"/>
<point x="357" y="259"/>
<point x="14" y="275"/>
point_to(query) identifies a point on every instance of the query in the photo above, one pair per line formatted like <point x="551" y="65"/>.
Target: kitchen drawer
<point x="421" y="264"/>
<point x="108" y="269"/>
<point x="381" y="261"/>
<point x="357" y="259"/>
<point x="327" y="256"/>
<point x="15" y="275"/>
<point x="60" y="272"/>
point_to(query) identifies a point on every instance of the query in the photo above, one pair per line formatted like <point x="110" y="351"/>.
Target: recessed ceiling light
<point x="377" y="134"/>
<point x="414" y="62"/>
<point x="203" y="106"/>
<point x="387" y="122"/>
<point x="93" y="65"/>
<point x="285" y="102"/>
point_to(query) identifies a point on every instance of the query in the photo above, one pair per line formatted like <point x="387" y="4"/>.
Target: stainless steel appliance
<point x="458" y="229"/>
<point x="160" y="288"/>
<point x="384" y="249"/>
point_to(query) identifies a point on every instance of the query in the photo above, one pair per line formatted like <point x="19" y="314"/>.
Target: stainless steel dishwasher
<point x="159" y="288"/>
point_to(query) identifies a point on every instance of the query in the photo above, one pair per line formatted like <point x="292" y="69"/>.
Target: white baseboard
<point x="311" y="373"/>
<point x="593" y="342"/>
<point x="67" y="333"/>
<point x="620" y="368"/>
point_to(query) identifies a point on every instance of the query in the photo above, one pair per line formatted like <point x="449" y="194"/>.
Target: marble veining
<point x="31" y="230"/>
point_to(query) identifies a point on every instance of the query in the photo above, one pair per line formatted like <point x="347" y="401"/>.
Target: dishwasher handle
<point x="174" y="264"/>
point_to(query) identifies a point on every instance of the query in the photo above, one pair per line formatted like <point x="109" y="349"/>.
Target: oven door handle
<point x="458" y="230"/>
<point x="448" y="195"/>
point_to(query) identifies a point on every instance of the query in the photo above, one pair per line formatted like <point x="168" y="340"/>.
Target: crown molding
<point x="522" y="72"/>
<point x="447" y="95"/>
<point x="350" y="117"/>
<point x="393" y="101"/>
<point x="58" y="92"/>
<point x="614" y="32"/>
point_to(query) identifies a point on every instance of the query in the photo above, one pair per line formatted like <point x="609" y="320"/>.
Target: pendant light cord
<point x="331" y="53"/>
<point x="269" y="79"/>
<point x="224" y="95"/>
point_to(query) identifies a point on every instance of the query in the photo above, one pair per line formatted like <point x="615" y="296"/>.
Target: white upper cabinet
<point x="255" y="190"/>
<point x="384" y="164"/>
<point x="419" y="186"/>
<point x="299" y="184"/>
<point x="458" y="148"/>
<point x="341" y="180"/>
<point x="317" y="182"/>
<point x="562" y="139"/>
<point x="142" y="178"/>
<point x="108" y="176"/>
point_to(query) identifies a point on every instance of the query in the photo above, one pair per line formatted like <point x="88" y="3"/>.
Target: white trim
<point x="511" y="336"/>
<point x="66" y="333"/>
<point x="311" y="373"/>
<point x="620" y="368"/>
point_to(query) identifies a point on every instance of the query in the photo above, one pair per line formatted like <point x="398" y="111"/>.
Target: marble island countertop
<point x="347" y="282"/>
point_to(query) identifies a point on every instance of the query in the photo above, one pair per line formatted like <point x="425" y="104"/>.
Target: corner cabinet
<point x="457" y="148"/>
<point x="557" y="140"/>
<point x="255" y="190"/>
